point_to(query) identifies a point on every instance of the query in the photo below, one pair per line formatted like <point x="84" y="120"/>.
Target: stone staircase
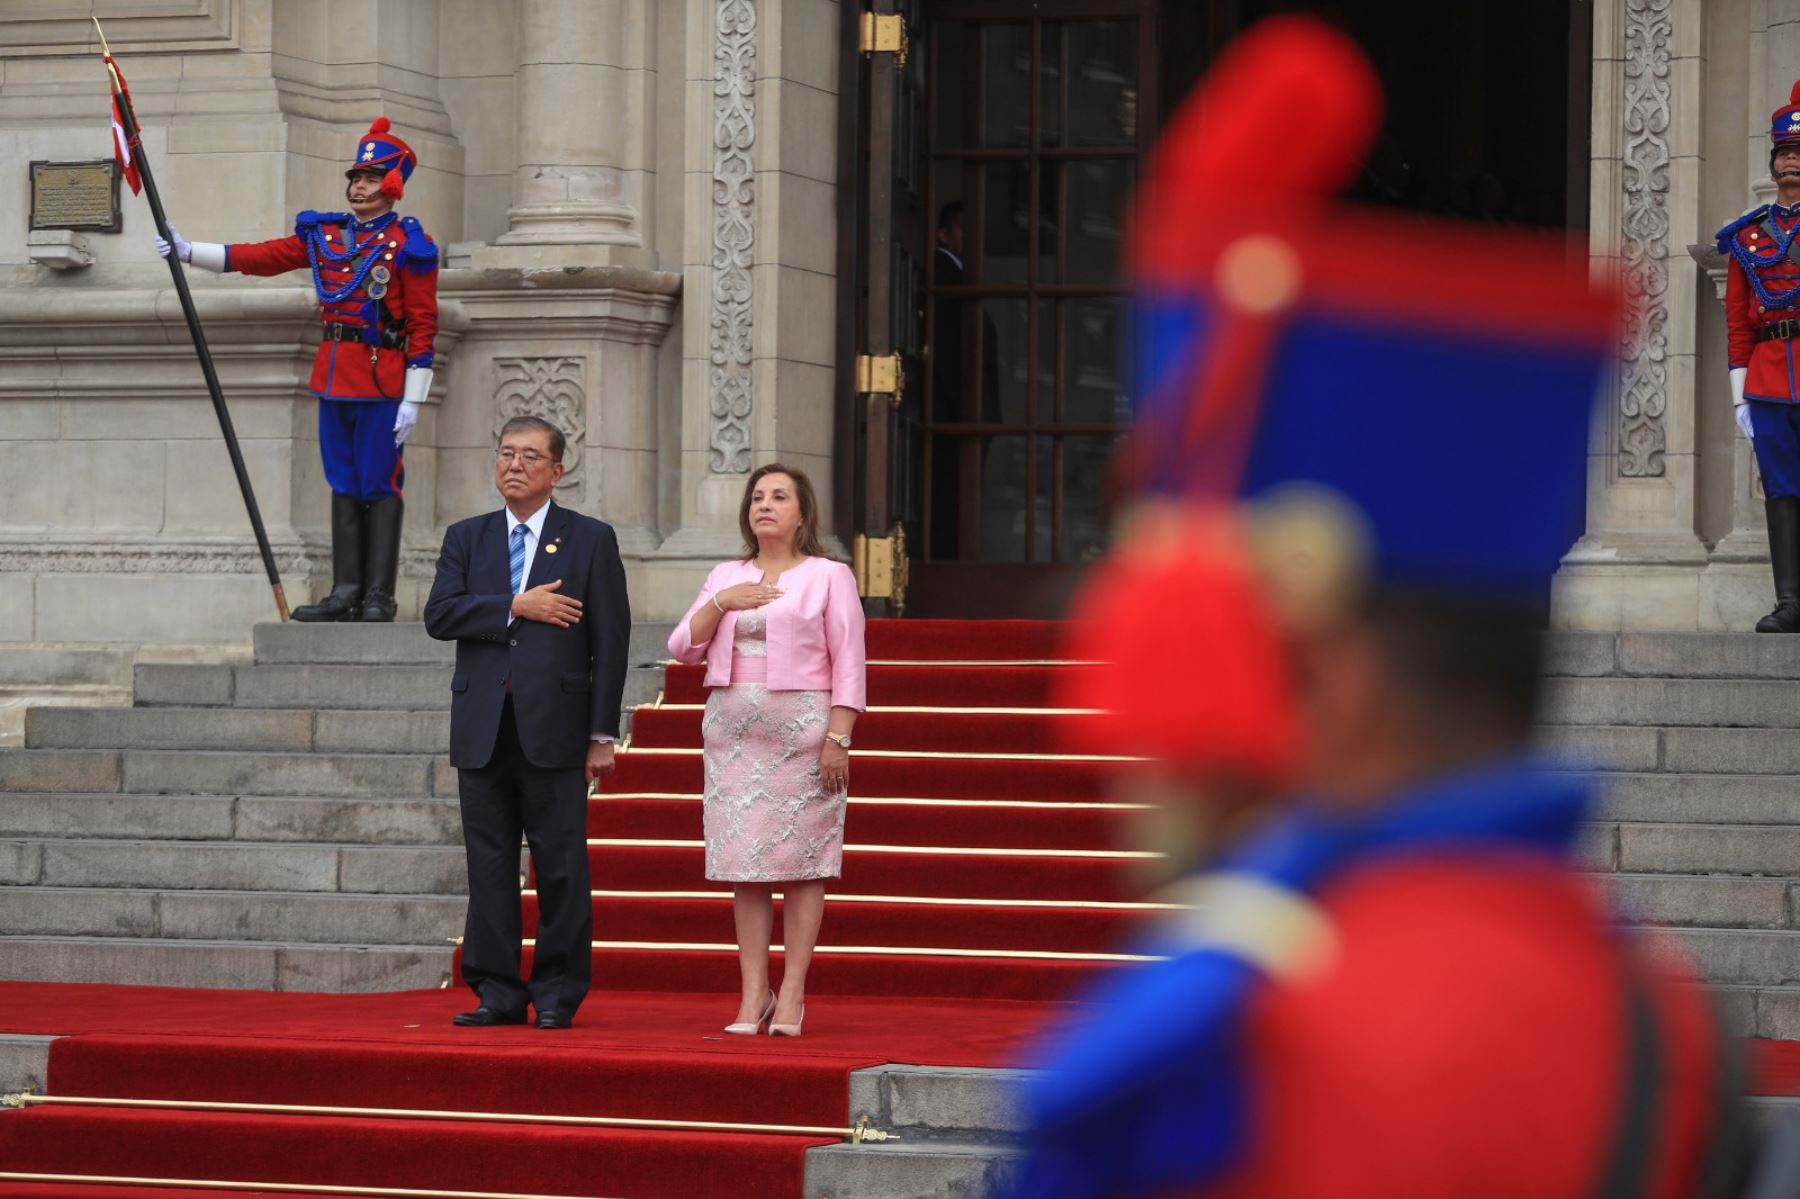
<point x="286" y="823"/>
<point x="289" y="822"/>
<point x="1699" y="736"/>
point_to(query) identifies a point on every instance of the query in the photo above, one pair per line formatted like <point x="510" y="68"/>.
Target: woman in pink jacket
<point x="781" y="633"/>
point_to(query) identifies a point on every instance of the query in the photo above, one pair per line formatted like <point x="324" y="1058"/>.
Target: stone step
<point x="31" y="664"/>
<point x="1771" y="850"/>
<point x="910" y="1170"/>
<point x="233" y="866"/>
<point x="241" y="965"/>
<point x="424" y="821"/>
<point x="1674" y="750"/>
<point x="328" y="686"/>
<point x="936" y="1102"/>
<point x="224" y="772"/>
<point x="1739" y="703"/>
<point x="1701" y="798"/>
<point x="1706" y="901"/>
<point x="287" y="916"/>
<point x="403" y="643"/>
<point x="1742" y="957"/>
<point x="1673" y="655"/>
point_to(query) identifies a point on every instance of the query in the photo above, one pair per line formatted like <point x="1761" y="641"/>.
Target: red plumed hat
<point x="380" y="149"/>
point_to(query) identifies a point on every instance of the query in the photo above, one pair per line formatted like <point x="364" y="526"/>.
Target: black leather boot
<point x="384" y="557"/>
<point x="1784" y="556"/>
<point x="345" y="599"/>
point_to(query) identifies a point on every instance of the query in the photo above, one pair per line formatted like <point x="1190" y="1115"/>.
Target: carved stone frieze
<point x="734" y="232"/>
<point x="1644" y="239"/>
<point x="551" y="389"/>
<point x="162" y="558"/>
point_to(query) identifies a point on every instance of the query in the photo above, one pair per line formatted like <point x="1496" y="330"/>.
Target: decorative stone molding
<point x="100" y="557"/>
<point x="1644" y="379"/>
<point x="734" y="232"/>
<point x="61" y="27"/>
<point x="551" y="389"/>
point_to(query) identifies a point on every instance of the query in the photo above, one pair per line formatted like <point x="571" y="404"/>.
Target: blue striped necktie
<point x="518" y="556"/>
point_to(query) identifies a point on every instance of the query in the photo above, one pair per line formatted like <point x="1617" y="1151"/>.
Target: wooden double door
<point x="986" y="160"/>
<point x="997" y="157"/>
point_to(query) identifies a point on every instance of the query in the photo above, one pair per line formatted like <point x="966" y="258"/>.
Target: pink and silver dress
<point x="767" y="818"/>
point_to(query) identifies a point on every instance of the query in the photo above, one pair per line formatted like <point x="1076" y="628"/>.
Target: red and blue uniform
<point x="1762" y="313"/>
<point x="376" y="281"/>
<point x="377" y="287"/>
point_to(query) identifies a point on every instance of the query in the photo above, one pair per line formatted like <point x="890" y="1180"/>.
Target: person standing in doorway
<point x="781" y="632"/>
<point x="534" y="597"/>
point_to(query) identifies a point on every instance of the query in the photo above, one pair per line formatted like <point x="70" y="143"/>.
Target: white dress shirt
<point x="534" y="529"/>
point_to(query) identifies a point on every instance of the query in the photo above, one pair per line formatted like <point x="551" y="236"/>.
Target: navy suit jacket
<point x="567" y="684"/>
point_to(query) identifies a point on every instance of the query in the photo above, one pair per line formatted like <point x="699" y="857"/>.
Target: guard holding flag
<point x="1762" y="291"/>
<point x="376" y="277"/>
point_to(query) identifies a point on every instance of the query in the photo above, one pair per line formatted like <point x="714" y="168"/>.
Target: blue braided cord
<point x="316" y="248"/>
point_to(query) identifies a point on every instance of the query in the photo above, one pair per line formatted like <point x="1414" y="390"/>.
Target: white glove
<point x="418" y="386"/>
<point x="207" y="255"/>
<point x="184" y="249"/>
<point x="1743" y="406"/>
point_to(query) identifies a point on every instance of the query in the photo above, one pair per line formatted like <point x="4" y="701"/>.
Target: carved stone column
<point x="581" y="112"/>
<point x="1640" y="563"/>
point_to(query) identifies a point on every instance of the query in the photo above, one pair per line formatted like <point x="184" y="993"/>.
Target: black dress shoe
<point x="552" y="1020"/>
<point x="485" y="1017"/>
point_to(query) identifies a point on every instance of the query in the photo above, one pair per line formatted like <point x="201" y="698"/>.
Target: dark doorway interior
<point x="1016" y="131"/>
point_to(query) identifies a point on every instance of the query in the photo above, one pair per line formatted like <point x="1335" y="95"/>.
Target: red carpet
<point x="983" y="880"/>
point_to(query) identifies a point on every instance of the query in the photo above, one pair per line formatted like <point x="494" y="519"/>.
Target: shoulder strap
<point x="1628" y="1163"/>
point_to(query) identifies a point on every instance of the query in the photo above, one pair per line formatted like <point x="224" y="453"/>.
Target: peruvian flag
<point x="121" y="143"/>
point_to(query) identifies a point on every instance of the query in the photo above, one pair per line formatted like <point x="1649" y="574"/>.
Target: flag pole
<point x="128" y="122"/>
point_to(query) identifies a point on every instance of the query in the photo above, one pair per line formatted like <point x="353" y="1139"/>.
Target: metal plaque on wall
<point x="76" y="195"/>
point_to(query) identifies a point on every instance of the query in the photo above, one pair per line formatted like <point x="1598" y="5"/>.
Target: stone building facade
<point x="638" y="204"/>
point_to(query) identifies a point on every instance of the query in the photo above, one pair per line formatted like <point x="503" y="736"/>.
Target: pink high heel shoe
<point x="741" y="1029"/>
<point x="787" y="1030"/>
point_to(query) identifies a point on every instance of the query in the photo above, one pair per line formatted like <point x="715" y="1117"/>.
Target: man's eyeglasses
<point x="531" y="459"/>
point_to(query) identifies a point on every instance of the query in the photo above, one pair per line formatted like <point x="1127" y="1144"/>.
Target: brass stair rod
<point x="286" y="1188"/>
<point x="860" y="1134"/>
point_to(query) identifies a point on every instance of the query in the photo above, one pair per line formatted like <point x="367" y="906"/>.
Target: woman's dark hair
<point x="806" y="537"/>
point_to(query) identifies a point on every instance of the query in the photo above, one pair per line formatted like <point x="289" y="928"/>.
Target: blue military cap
<point x="1435" y="380"/>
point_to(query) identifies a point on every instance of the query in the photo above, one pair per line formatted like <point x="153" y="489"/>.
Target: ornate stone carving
<point x="235" y="557"/>
<point x="734" y="231"/>
<point x="550" y="389"/>
<point x="1644" y="379"/>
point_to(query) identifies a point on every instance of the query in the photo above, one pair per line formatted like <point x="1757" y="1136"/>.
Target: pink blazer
<point x="815" y="631"/>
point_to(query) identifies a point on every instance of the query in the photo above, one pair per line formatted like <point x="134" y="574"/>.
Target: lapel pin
<point x="551" y="548"/>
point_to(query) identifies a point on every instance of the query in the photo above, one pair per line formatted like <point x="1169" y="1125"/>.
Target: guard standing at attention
<point x="1762" y="288"/>
<point x="375" y="273"/>
<point x="1394" y="979"/>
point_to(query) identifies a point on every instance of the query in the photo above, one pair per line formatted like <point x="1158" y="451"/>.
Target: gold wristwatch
<point x="842" y="739"/>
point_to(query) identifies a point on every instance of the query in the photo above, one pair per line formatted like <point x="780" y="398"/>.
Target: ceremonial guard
<point x="1390" y="977"/>
<point x="1760" y="299"/>
<point x="375" y="273"/>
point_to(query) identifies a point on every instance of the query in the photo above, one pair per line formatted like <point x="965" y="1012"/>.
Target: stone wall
<point x="627" y="193"/>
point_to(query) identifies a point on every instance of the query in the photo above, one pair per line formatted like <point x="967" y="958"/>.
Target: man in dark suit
<point x="534" y="597"/>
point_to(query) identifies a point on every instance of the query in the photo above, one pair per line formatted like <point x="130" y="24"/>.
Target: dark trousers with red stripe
<point x="356" y="445"/>
<point x="501" y="800"/>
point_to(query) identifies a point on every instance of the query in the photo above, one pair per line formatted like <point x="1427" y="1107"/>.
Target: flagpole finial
<point x="104" y="49"/>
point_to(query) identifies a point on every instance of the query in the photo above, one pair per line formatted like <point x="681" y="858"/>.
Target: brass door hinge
<point x="884" y="33"/>
<point x="881" y="375"/>
<point x="879" y="564"/>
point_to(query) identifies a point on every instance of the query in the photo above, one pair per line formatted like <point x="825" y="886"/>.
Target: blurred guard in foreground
<point x="1393" y="981"/>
